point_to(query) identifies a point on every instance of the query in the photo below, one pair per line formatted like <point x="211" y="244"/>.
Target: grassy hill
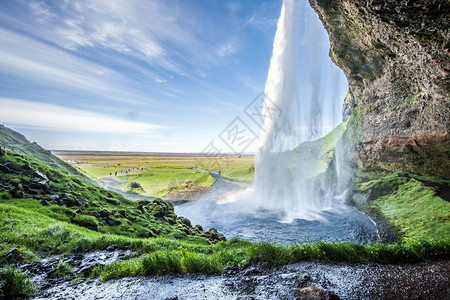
<point x="28" y="183"/>
<point x="15" y="141"/>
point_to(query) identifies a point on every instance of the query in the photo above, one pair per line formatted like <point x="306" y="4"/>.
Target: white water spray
<point x="294" y="111"/>
<point x="302" y="99"/>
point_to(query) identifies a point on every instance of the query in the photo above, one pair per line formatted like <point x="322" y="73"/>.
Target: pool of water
<point x="339" y="222"/>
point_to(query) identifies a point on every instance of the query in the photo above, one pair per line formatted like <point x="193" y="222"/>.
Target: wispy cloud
<point x="40" y="10"/>
<point x="226" y="49"/>
<point x="263" y="19"/>
<point x="159" y="33"/>
<point x="24" y="56"/>
<point x="54" y="117"/>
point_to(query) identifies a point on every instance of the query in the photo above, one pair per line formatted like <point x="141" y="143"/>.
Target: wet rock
<point x="12" y="256"/>
<point x="252" y="271"/>
<point x="80" y="201"/>
<point x="398" y="81"/>
<point x="69" y="200"/>
<point x="112" y="201"/>
<point x="104" y="213"/>
<point x="25" y="167"/>
<point x="214" y="235"/>
<point x="184" y="221"/>
<point x="38" y="184"/>
<point x="314" y="293"/>
<point x="38" y="175"/>
<point x="112" y="247"/>
<point x="5" y="169"/>
<point x="40" y="268"/>
<point x="233" y="270"/>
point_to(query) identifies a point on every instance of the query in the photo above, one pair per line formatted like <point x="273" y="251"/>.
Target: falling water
<point x="294" y="111"/>
<point x="302" y="96"/>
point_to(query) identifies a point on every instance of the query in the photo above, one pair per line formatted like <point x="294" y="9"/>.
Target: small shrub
<point x="14" y="284"/>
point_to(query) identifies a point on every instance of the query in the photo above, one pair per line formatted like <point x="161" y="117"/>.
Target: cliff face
<point x="395" y="55"/>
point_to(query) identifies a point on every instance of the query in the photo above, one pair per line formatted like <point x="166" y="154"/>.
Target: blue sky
<point x="138" y="75"/>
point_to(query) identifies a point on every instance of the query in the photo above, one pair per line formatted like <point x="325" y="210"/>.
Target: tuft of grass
<point x="63" y="269"/>
<point x="161" y="262"/>
<point x="87" y="221"/>
<point x="15" y="284"/>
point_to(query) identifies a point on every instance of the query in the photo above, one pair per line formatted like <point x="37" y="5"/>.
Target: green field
<point x="159" y="176"/>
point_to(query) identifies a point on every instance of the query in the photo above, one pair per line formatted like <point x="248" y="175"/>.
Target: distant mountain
<point x="15" y="141"/>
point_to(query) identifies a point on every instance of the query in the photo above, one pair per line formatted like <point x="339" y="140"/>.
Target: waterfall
<point x="294" y="111"/>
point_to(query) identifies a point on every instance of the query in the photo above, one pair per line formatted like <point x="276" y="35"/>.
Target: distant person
<point x="115" y="174"/>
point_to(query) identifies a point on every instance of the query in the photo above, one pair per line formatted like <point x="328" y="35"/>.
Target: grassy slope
<point x="17" y="142"/>
<point x="408" y="202"/>
<point x="315" y="156"/>
<point x="69" y="199"/>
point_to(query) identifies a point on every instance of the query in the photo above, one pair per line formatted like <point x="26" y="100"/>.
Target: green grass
<point x="41" y="234"/>
<point x="163" y="175"/>
<point x="315" y="156"/>
<point x="63" y="269"/>
<point x="409" y="205"/>
<point x="273" y="254"/>
<point x="17" y="142"/>
<point x="14" y="284"/>
<point x="69" y="199"/>
<point x="239" y="168"/>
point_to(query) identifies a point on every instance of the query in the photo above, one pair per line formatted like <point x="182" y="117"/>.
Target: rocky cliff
<point x="395" y="55"/>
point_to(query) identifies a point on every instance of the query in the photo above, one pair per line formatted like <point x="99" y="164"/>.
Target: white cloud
<point x="58" y="118"/>
<point x="225" y="49"/>
<point x="41" y="11"/>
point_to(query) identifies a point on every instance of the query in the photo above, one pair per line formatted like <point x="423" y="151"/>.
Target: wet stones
<point x="12" y="256"/>
<point x="39" y="176"/>
<point x="314" y="293"/>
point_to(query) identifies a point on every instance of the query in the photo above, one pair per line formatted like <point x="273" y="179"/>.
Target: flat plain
<point x="160" y="174"/>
